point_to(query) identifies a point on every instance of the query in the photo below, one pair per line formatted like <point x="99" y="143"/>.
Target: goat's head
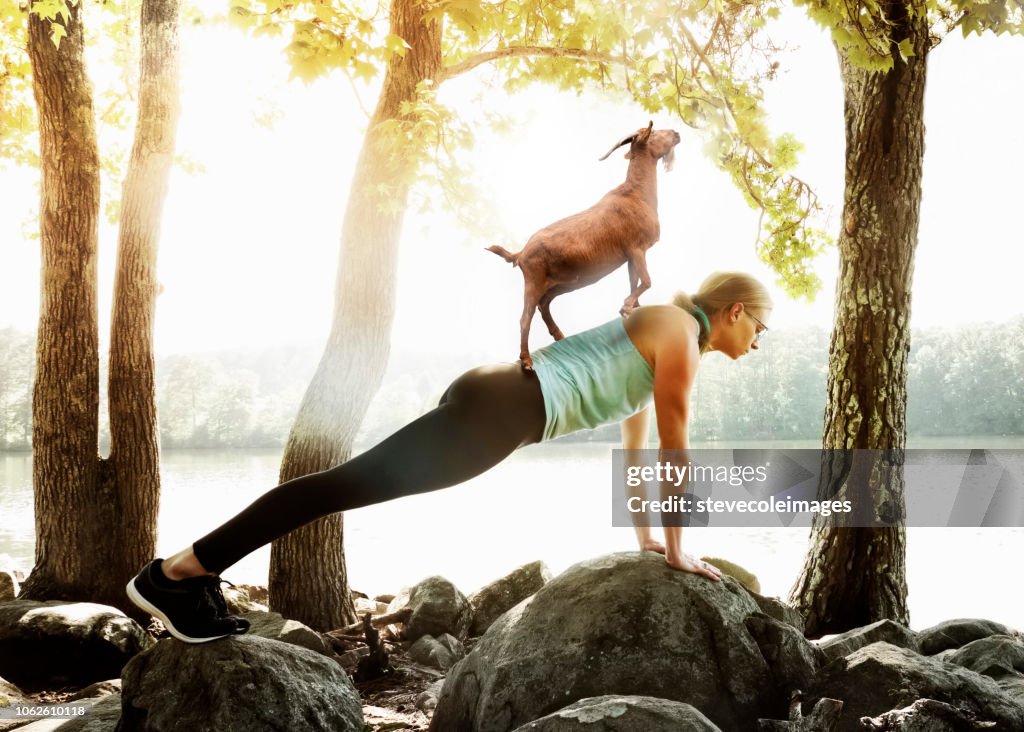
<point x="658" y="144"/>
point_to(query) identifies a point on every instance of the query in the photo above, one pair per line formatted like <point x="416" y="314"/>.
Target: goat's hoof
<point x="526" y="363"/>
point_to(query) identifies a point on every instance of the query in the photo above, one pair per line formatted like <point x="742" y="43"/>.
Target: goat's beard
<point x="669" y="160"/>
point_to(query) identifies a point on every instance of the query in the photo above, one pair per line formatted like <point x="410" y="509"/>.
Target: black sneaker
<point x="193" y="610"/>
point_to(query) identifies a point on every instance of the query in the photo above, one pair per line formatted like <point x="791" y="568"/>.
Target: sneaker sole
<point x="144" y="604"/>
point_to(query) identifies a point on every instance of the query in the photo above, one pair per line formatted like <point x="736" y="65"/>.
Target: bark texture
<point x="855" y="576"/>
<point x="65" y="400"/>
<point x="134" y="460"/>
<point x="96" y="518"/>
<point x="308" y="580"/>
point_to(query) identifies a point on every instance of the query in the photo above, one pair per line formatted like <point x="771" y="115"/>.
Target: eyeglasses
<point x="757" y="333"/>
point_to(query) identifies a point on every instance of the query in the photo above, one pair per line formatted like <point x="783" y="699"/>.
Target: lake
<point x="547" y="502"/>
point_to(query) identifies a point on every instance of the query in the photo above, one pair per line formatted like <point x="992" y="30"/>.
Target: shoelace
<point x="215" y="595"/>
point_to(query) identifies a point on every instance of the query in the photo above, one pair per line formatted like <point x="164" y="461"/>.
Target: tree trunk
<point x="134" y="461"/>
<point x="65" y="404"/>
<point x="96" y="519"/>
<point x="855" y="576"/>
<point x="308" y="580"/>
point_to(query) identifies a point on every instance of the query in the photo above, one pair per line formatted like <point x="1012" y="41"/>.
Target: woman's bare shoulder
<point x="650" y="324"/>
<point x="657" y="320"/>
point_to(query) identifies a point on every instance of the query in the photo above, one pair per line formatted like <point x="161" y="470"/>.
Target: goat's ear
<point x="624" y="141"/>
<point x="643" y="135"/>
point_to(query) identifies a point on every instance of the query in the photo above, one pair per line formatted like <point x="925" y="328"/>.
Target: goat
<point x="581" y="249"/>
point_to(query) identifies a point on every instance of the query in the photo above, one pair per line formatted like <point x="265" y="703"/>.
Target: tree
<point x="96" y="518"/>
<point x="855" y="576"/>
<point x="645" y="50"/>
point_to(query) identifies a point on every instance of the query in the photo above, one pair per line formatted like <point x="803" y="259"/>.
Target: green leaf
<point x="57" y="32"/>
<point x="906" y="47"/>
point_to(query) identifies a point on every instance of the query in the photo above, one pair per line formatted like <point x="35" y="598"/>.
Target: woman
<point x="604" y="374"/>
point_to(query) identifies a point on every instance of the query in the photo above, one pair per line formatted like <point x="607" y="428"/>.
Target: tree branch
<point x="520" y="51"/>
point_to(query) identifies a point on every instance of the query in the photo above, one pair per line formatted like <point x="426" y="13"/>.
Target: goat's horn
<point x="624" y="141"/>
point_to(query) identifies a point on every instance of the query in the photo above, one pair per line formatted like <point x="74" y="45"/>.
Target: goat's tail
<point x="505" y="254"/>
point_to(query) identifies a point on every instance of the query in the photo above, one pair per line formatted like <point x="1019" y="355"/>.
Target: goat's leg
<point x="545" y="312"/>
<point x="531" y="297"/>
<point x="634" y="281"/>
<point x="638" y="265"/>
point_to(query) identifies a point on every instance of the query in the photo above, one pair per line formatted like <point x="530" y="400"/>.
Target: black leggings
<point x="482" y="418"/>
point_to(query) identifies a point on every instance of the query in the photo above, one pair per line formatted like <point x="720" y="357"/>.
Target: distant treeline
<point x="965" y="381"/>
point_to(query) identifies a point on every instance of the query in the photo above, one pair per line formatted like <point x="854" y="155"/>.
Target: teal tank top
<point x="592" y="378"/>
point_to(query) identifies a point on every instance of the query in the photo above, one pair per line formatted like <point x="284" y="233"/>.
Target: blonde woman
<point x="609" y="373"/>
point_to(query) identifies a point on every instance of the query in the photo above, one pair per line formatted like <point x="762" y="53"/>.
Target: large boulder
<point x="997" y="656"/>
<point x="624" y="624"/>
<point x="1000" y="657"/>
<point x="956" y="633"/>
<point x="925" y="715"/>
<point x="889" y="631"/>
<point x="500" y="596"/>
<point x="792" y="659"/>
<point x="775" y="608"/>
<point x="100" y="715"/>
<point x="623" y="714"/>
<point x="50" y="645"/>
<point x="437" y="608"/>
<point x="882" y="677"/>
<point x="8" y="586"/>
<point x="440" y="653"/>
<point x="275" y="626"/>
<point x="238" y="683"/>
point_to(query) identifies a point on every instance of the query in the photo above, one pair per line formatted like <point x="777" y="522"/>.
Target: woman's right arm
<point x="676" y="359"/>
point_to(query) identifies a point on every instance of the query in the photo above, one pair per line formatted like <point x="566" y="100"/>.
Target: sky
<point x="249" y="248"/>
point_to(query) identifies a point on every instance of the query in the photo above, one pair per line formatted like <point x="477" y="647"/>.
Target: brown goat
<point x="581" y="249"/>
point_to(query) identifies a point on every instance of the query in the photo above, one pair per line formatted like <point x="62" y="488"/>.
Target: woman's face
<point x="738" y="330"/>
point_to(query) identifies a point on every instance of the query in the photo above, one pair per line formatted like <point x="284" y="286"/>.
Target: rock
<point x="746" y="578"/>
<point x="882" y="677"/>
<point x="956" y="633"/>
<point x="10" y="695"/>
<point x="823" y="716"/>
<point x="98" y="690"/>
<point x="773" y="607"/>
<point x="386" y="599"/>
<point x="103" y="716"/>
<point x="8" y="586"/>
<point x="427" y="699"/>
<point x="884" y="630"/>
<point x="1013" y="687"/>
<point x="622" y="624"/>
<point x="998" y="657"/>
<point x="365" y="605"/>
<point x="99" y="715"/>
<point x="350" y="659"/>
<point x="924" y="715"/>
<point x="9" y="692"/>
<point x="50" y="645"/>
<point x="623" y="714"/>
<point x="437" y="608"/>
<point x="441" y="653"/>
<point x="240" y="600"/>
<point x="10" y="565"/>
<point x="498" y="597"/>
<point x="276" y="627"/>
<point x="244" y="683"/>
<point x="792" y="659"/>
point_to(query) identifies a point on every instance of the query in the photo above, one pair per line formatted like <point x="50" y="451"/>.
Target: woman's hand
<point x="688" y="563"/>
